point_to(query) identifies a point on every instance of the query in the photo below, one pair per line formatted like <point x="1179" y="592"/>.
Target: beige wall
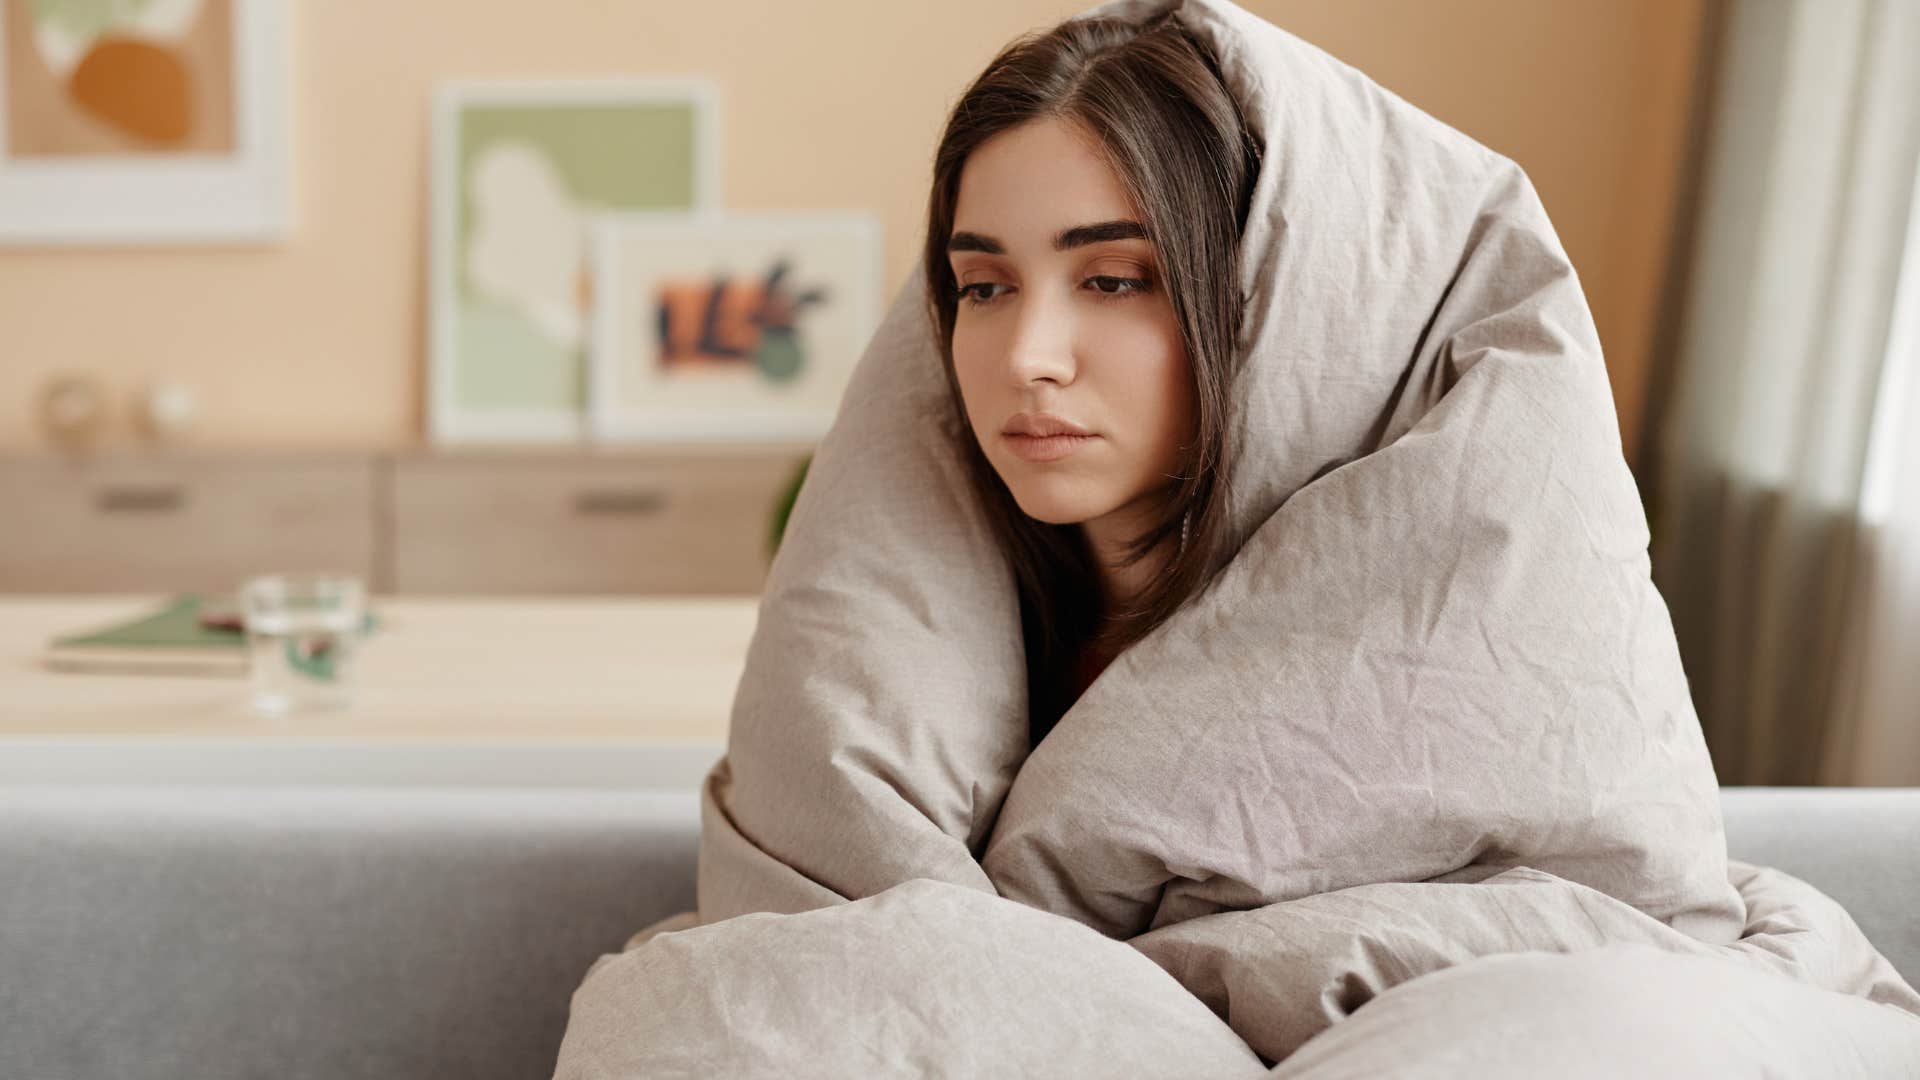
<point x="320" y="342"/>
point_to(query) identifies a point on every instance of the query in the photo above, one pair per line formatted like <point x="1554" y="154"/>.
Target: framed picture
<point x="156" y="122"/>
<point x="742" y="327"/>
<point x="520" y="169"/>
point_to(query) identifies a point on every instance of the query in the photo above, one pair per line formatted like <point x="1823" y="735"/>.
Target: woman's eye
<point x="971" y="292"/>
<point x="1110" y="285"/>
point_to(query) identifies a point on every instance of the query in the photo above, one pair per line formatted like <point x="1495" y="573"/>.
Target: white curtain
<point x="1879" y="744"/>
<point x="1785" y="525"/>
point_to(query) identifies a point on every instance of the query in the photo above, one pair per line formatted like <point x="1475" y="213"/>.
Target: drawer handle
<point x="619" y="502"/>
<point x="140" y="500"/>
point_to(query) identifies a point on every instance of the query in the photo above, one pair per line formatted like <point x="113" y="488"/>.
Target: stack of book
<point x="187" y="635"/>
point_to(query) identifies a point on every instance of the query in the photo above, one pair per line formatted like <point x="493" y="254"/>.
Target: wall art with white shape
<point x="520" y="170"/>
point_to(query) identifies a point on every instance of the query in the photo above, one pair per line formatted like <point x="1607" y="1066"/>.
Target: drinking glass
<point x="303" y="631"/>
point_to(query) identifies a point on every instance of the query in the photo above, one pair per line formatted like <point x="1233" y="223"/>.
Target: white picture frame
<point x="453" y="413"/>
<point x="637" y="399"/>
<point x="242" y="197"/>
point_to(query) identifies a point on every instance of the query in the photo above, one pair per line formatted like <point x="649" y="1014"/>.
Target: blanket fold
<point x="1499" y="978"/>
<point x="1283" y="973"/>
<point x="1428" y="730"/>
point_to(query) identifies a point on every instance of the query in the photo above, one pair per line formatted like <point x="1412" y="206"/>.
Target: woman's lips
<point x="1047" y="447"/>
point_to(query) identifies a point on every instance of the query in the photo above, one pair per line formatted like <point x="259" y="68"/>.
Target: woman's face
<point x="1063" y="316"/>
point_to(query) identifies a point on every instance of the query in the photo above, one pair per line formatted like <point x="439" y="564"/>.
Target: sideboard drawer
<point x="156" y="524"/>
<point x="676" y="524"/>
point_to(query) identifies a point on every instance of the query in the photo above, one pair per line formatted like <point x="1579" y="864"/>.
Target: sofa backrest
<point x="328" y="932"/>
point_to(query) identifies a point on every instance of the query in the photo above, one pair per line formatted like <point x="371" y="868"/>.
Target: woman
<point x="1082" y="235"/>
<point x="1403" y="723"/>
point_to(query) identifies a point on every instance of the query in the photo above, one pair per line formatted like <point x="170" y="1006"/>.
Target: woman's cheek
<point x="1161" y="416"/>
<point x="968" y="375"/>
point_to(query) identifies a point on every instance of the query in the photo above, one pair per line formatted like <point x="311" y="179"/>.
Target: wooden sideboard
<point x="670" y="520"/>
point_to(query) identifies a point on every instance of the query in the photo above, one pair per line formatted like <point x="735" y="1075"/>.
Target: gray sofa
<point x="192" y="931"/>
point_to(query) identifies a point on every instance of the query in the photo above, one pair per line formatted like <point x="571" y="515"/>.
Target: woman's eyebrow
<point x="1078" y="236"/>
<point x="1082" y="235"/>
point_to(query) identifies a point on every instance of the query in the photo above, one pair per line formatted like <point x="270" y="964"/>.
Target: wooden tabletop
<point x="546" y="669"/>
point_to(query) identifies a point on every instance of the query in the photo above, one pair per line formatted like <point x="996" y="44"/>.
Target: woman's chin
<point x="1056" y="508"/>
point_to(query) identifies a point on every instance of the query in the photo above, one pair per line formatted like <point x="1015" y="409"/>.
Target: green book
<point x="174" y="639"/>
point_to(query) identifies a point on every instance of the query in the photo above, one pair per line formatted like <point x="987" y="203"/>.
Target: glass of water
<point x="303" y="631"/>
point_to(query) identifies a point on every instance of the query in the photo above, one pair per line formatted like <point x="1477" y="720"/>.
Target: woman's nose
<point x="1042" y="344"/>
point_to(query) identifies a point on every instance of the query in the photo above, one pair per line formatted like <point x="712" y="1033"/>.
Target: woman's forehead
<point x="1028" y="185"/>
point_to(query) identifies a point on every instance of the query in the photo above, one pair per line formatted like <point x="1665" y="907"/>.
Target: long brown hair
<point x="1152" y="96"/>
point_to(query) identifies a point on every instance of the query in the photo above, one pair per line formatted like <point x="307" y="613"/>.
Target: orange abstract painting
<point x="143" y="77"/>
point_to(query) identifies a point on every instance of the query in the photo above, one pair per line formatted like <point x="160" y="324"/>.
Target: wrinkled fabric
<point x="891" y="985"/>
<point x="1429" y="718"/>
<point x="1283" y="973"/>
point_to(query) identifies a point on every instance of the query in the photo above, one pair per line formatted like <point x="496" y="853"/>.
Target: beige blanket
<point x="1426" y="744"/>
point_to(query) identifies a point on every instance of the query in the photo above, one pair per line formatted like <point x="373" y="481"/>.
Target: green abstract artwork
<point x="529" y="177"/>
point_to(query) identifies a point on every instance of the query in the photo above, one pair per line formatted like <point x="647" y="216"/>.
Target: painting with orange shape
<point x="139" y="88"/>
<point x="685" y="344"/>
<point x="128" y="94"/>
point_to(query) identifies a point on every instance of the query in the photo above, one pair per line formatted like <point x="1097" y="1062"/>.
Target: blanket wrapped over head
<point x="1425" y="744"/>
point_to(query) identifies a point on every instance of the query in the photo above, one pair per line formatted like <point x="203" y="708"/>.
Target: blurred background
<point x="507" y="300"/>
